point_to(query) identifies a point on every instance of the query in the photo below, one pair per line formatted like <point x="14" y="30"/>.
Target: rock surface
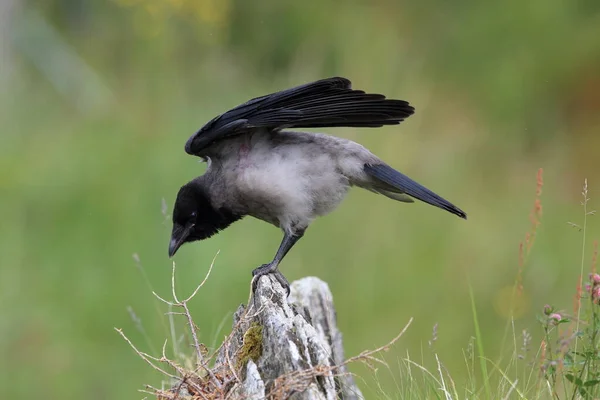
<point x="286" y="348"/>
<point x="299" y="333"/>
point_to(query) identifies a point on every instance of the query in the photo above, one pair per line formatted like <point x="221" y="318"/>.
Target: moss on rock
<point x="252" y="345"/>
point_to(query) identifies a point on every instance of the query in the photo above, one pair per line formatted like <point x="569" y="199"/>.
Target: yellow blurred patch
<point x="147" y="22"/>
<point x="511" y="302"/>
<point x="151" y="16"/>
<point x="128" y="3"/>
<point x="176" y="3"/>
<point x="213" y="12"/>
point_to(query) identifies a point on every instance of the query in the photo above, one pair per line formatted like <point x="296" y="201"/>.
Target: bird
<point x="259" y="165"/>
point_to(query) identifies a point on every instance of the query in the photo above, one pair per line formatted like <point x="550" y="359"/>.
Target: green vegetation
<point x="252" y="345"/>
<point x="94" y="121"/>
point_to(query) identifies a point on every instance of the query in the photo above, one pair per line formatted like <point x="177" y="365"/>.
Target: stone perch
<point x="284" y="348"/>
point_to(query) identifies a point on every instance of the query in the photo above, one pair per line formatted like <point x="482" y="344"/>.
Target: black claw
<point x="256" y="271"/>
<point x="266" y="269"/>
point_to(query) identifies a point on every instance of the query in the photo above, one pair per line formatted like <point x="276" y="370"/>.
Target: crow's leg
<point x="289" y="240"/>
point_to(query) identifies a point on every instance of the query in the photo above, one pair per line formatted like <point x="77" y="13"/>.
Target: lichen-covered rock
<point x="301" y="352"/>
<point x="253" y="387"/>
<point x="285" y="348"/>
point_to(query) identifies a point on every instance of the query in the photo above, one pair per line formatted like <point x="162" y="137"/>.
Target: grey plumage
<point x="289" y="178"/>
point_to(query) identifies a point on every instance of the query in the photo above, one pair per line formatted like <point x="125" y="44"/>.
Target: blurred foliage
<point x="98" y="99"/>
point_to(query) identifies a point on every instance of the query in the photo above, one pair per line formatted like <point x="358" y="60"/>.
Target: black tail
<point x="326" y="103"/>
<point x="403" y="183"/>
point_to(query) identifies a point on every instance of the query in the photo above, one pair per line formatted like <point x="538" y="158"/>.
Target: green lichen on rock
<point x="252" y="345"/>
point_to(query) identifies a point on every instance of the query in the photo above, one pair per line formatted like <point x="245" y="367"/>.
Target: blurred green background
<point x="98" y="98"/>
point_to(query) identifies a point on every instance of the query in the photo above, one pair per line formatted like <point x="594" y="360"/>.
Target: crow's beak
<point x="173" y="246"/>
<point x="178" y="237"/>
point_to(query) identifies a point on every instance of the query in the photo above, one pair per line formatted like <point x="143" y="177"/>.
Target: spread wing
<point x="325" y="103"/>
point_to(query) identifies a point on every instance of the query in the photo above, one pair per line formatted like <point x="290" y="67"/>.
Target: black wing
<point x="325" y="103"/>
